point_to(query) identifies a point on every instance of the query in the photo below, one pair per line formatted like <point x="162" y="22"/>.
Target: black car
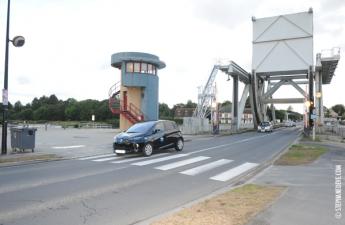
<point x="148" y="136"/>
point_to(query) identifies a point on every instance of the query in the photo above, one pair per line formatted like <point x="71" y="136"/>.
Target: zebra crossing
<point x="166" y="161"/>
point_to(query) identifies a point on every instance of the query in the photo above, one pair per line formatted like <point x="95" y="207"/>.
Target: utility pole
<point x="17" y="41"/>
<point x="5" y="90"/>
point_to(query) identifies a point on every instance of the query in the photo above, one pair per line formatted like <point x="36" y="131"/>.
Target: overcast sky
<point x="69" y="43"/>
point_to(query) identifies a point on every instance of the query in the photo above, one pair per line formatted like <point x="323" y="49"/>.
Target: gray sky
<point x="69" y="43"/>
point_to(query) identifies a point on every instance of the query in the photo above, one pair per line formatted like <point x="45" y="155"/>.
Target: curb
<point x="29" y="162"/>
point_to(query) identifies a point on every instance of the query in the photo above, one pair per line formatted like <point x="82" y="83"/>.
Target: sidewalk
<point x="310" y="197"/>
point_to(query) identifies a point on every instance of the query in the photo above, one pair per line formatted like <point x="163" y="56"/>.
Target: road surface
<point x="107" y="189"/>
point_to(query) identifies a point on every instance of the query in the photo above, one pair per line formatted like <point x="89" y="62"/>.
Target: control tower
<point x="135" y="97"/>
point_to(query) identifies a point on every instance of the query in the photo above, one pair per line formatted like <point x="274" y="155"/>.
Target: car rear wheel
<point x="148" y="149"/>
<point x="179" y="144"/>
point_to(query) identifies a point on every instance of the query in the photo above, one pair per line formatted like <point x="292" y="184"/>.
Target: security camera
<point x="18" y="41"/>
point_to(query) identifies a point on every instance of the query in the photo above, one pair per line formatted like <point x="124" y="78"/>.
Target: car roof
<point x="156" y="121"/>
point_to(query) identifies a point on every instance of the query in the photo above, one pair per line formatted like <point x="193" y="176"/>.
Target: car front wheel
<point x="148" y="149"/>
<point x="179" y="145"/>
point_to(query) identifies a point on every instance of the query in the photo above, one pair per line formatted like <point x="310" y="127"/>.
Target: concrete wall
<point x="133" y="96"/>
<point x="192" y="125"/>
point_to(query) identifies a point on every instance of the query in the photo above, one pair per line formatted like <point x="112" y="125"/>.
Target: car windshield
<point x="264" y="124"/>
<point x="140" y="127"/>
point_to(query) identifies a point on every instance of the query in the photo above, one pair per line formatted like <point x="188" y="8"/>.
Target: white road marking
<point x="206" y="167"/>
<point x="147" y="162"/>
<point x="137" y="158"/>
<point x="66" y="147"/>
<point x="97" y="156"/>
<point x="234" y="172"/>
<point x="106" y="159"/>
<point x="182" y="163"/>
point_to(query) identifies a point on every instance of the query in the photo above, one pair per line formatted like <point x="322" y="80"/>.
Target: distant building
<point x="225" y="115"/>
<point x="330" y="113"/>
<point x="181" y="112"/>
<point x="247" y="116"/>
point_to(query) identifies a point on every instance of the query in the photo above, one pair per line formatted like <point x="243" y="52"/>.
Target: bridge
<point x="282" y="55"/>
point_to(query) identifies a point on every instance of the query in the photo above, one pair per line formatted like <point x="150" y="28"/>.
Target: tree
<point x="280" y="114"/>
<point x="35" y="104"/>
<point x="247" y="104"/>
<point x="290" y="109"/>
<point x="25" y="114"/>
<point x="191" y="104"/>
<point x="52" y="100"/>
<point x="18" y="106"/>
<point x="164" y="110"/>
<point x="226" y="103"/>
<point x="72" y="111"/>
<point x="339" y="108"/>
<point x="41" y="113"/>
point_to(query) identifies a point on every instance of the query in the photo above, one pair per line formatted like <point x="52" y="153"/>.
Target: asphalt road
<point x="107" y="189"/>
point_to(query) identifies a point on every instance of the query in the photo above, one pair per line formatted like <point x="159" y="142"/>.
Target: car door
<point x="159" y="139"/>
<point x="170" y="132"/>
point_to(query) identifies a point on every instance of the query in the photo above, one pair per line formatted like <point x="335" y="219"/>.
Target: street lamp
<point x="318" y="94"/>
<point x="17" y="41"/>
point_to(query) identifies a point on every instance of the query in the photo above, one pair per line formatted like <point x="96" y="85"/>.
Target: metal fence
<point x="336" y="130"/>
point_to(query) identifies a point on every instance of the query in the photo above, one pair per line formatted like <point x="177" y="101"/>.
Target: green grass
<point x="301" y="154"/>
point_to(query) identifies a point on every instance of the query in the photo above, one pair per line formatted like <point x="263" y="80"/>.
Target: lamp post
<point x="17" y="41"/>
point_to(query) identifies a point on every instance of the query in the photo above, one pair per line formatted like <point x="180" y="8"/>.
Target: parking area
<point x="78" y="142"/>
<point x="71" y="142"/>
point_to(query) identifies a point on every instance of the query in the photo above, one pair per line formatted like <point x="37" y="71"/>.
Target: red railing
<point x="131" y="112"/>
<point x="114" y="98"/>
<point x="136" y="112"/>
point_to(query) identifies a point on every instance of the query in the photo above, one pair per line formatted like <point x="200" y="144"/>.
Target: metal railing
<point x="336" y="130"/>
<point x="136" y="112"/>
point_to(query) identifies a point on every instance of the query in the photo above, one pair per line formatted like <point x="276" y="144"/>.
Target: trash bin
<point x="23" y="138"/>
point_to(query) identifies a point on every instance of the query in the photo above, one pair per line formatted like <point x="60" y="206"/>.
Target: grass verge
<point x="236" y="207"/>
<point x="26" y="158"/>
<point x="300" y="155"/>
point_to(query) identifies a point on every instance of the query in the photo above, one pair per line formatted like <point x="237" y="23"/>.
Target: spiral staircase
<point x="131" y="112"/>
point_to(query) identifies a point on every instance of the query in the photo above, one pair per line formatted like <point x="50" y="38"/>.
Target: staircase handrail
<point x="113" y="89"/>
<point x="136" y="111"/>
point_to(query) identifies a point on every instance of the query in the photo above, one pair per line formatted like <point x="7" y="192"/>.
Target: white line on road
<point x="182" y="163"/>
<point x="206" y="167"/>
<point x="137" y="158"/>
<point x="107" y="159"/>
<point x="97" y="156"/>
<point x="147" y="162"/>
<point x="234" y="172"/>
<point x="66" y="147"/>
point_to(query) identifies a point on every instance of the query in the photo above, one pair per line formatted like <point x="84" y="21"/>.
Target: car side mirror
<point x="156" y="131"/>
